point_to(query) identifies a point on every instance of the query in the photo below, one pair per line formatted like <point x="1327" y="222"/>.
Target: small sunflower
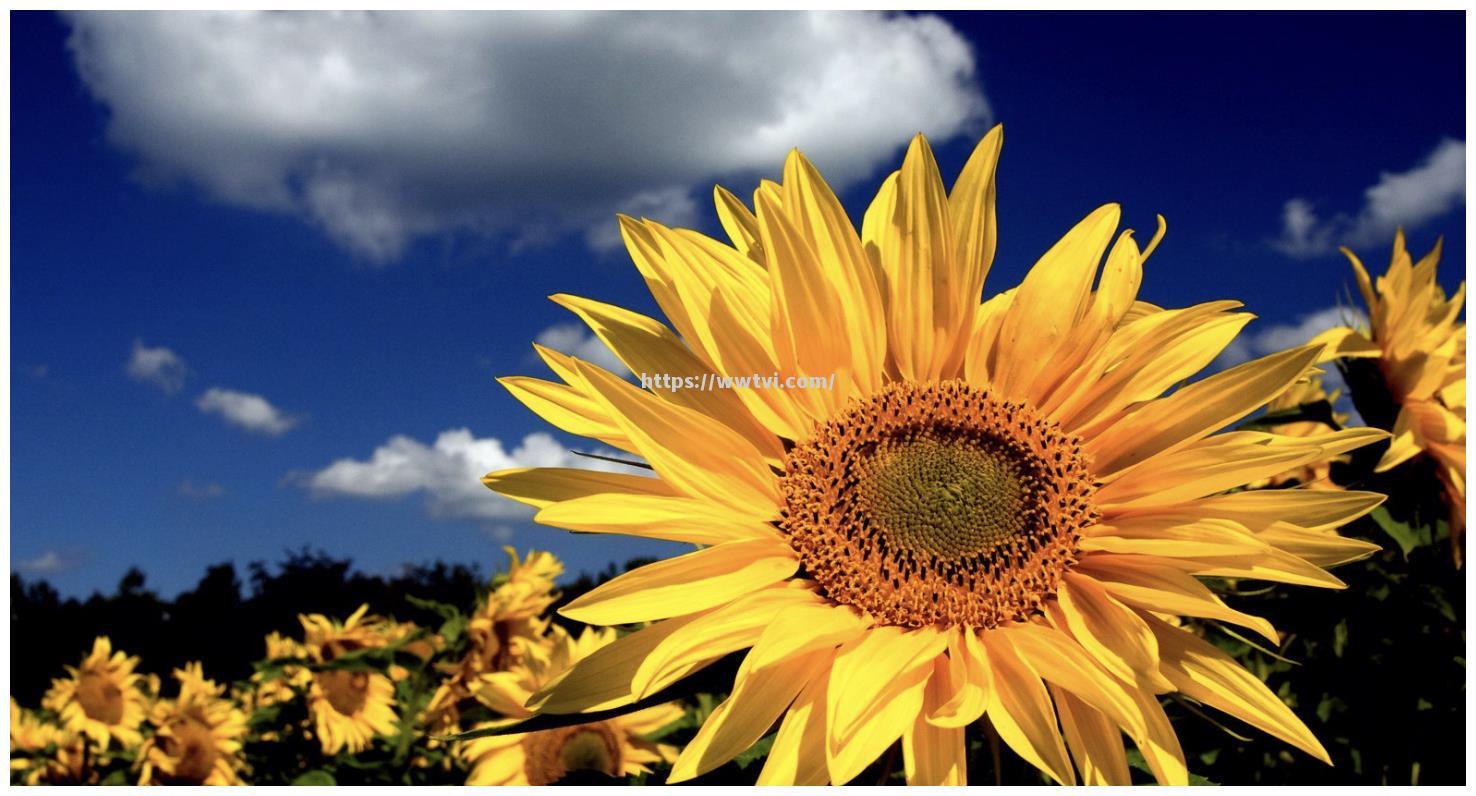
<point x="271" y="688"/>
<point x="506" y="629"/>
<point x="1416" y="336"/>
<point x="349" y="706"/>
<point x="197" y="735"/>
<point x="103" y="698"/>
<point x="1308" y="392"/>
<point x="43" y="753"/>
<point x="615" y="747"/>
<point x="987" y="516"/>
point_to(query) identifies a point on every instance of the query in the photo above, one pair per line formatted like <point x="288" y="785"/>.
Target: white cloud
<point x="577" y="341"/>
<point x="384" y="127"/>
<point x="1406" y="199"/>
<point x="48" y="563"/>
<point x="1280" y="337"/>
<point x="198" y="491"/>
<point x="448" y="471"/>
<point x="250" y="412"/>
<point x="158" y="366"/>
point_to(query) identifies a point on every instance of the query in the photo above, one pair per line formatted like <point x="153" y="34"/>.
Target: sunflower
<point x="1305" y="394"/>
<point x="41" y="752"/>
<point x="506" y="629"/>
<point x="1416" y="336"/>
<point x="987" y="516"/>
<point x="616" y="747"/>
<point x="197" y="736"/>
<point x="103" y="698"/>
<point x="275" y="687"/>
<point x="349" y="706"/>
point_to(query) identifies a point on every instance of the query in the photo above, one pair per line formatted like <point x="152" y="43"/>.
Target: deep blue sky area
<point x="1214" y="120"/>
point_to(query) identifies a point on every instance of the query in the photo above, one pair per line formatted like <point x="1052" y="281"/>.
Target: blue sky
<point x="253" y="285"/>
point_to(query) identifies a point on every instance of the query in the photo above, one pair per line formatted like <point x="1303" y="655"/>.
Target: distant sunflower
<point x="615" y="747"/>
<point x="271" y="688"/>
<point x="506" y="630"/>
<point x="1308" y="392"/>
<point x="986" y="516"/>
<point x="43" y="753"/>
<point x="349" y="706"/>
<point x="1416" y="335"/>
<point x="103" y="698"/>
<point x="197" y="735"/>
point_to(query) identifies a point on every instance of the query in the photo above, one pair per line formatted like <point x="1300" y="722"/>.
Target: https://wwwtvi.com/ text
<point x="708" y="382"/>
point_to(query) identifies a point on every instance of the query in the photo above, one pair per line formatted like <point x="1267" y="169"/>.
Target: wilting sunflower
<point x="1419" y="341"/>
<point x="987" y="515"/>
<point x="615" y="747"/>
<point x="349" y="706"/>
<point x="43" y="753"/>
<point x="103" y="698"/>
<point x="506" y="629"/>
<point x="1307" y="395"/>
<point x="197" y="735"/>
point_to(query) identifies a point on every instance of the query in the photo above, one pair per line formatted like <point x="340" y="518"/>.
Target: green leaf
<point x="758" y="751"/>
<point x="315" y="779"/>
<point x="1403" y="535"/>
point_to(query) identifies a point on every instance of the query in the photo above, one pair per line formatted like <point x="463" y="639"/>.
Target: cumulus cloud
<point x="1280" y="337"/>
<point x="1405" y="199"/>
<point x="49" y="563"/>
<point x="159" y="366"/>
<point x="381" y="128"/>
<point x="577" y="341"/>
<point x="250" y="412"/>
<point x="448" y="472"/>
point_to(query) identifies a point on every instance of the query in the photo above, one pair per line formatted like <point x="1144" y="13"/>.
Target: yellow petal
<point x="971" y="210"/>
<point x="1050" y="299"/>
<point x="1343" y="342"/>
<point x="1021" y="711"/>
<point x="876" y="689"/>
<point x="965" y="681"/>
<point x="758" y="699"/>
<point x="1153" y="585"/>
<point x="933" y="755"/>
<point x="1111" y="631"/>
<point x="1059" y="659"/>
<point x="1095" y="742"/>
<point x="689" y="450"/>
<point x="1205" y="673"/>
<point x="1193" y="412"/>
<point x="687" y="583"/>
<point x="798" y="756"/>
<point x="679" y="519"/>
<point x="739" y="222"/>
<point x="541" y="486"/>
<point x="567" y="408"/>
<point x="928" y="309"/>
<point x="807" y="623"/>
<point x="602" y="680"/>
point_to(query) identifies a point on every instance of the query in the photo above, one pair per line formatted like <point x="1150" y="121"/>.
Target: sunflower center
<point x="346" y="691"/>
<point x="193" y="747"/>
<point x="551" y="754"/>
<point x="938" y="504"/>
<point x="101" y="698"/>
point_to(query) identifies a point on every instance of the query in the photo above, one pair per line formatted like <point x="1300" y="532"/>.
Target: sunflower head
<point x="44" y="753"/>
<point x="988" y="512"/>
<point x="197" y="735"/>
<point x="102" y="698"/>
<point x="350" y="705"/>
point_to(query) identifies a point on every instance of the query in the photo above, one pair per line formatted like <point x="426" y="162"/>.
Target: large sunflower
<point x="103" y="698"/>
<point x="197" y="737"/>
<point x="350" y="706"/>
<point x="506" y="629"/>
<point x="1419" y="341"/>
<point x="615" y="747"/>
<point x="989" y="515"/>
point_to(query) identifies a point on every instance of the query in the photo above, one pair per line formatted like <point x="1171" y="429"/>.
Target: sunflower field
<point x="1019" y="542"/>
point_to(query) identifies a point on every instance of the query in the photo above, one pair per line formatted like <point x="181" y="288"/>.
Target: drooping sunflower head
<point x="102" y="698"/>
<point x="197" y="735"/>
<point x="614" y="747"/>
<point x="1413" y="354"/>
<point x="350" y="705"/>
<point x="986" y="509"/>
